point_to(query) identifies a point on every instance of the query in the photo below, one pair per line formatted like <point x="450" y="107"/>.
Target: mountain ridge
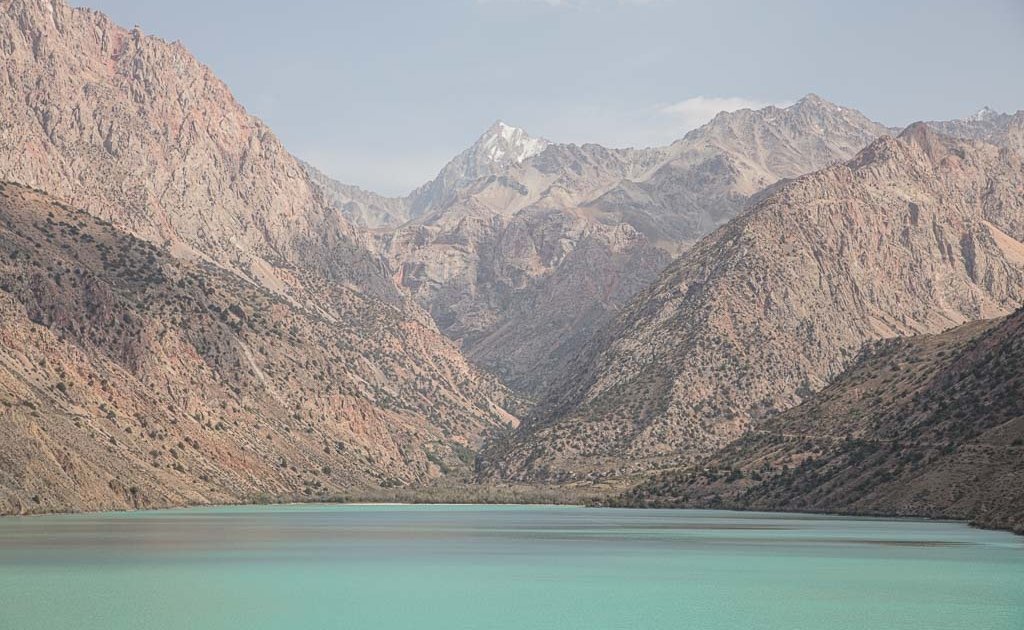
<point x="921" y="426"/>
<point x="131" y="378"/>
<point x="145" y="138"/>
<point x="523" y="264"/>
<point x="792" y="286"/>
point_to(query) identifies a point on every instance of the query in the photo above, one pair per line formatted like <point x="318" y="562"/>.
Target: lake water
<point x="492" y="568"/>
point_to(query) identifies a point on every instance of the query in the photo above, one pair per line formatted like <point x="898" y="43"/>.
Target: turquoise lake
<point x="492" y="568"/>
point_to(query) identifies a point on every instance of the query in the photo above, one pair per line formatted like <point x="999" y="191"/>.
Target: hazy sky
<point x="381" y="93"/>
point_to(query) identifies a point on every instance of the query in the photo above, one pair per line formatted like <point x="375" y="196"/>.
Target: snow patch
<point x="507" y="144"/>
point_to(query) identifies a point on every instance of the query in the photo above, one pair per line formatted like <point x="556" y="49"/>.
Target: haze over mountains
<point x="521" y="248"/>
<point x="193" y="315"/>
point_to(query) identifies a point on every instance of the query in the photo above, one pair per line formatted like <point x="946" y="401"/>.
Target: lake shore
<point x="427" y="499"/>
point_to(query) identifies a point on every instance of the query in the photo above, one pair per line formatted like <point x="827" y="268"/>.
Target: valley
<point x="788" y="307"/>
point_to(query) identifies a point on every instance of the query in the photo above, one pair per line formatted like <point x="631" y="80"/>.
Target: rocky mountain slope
<point x="499" y="148"/>
<point x="1005" y="130"/>
<point x="363" y="208"/>
<point x="707" y="177"/>
<point x="921" y="426"/>
<point x="914" y="235"/>
<point x="521" y="248"/>
<point x="525" y="294"/>
<point x="129" y="378"/>
<point x="136" y="132"/>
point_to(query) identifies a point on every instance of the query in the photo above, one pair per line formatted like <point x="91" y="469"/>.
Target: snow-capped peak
<point x="499" y="148"/>
<point x="505" y="144"/>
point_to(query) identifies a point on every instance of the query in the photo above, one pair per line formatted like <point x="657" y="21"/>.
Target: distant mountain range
<point x="521" y="248"/>
<point x="193" y="315"/>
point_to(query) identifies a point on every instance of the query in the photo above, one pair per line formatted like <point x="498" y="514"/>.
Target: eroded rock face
<point x="136" y="132"/>
<point x="520" y="248"/>
<point x="914" y="235"/>
<point x="129" y="378"/>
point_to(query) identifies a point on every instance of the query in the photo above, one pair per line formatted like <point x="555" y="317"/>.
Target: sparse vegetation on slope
<point x="923" y="426"/>
<point x="129" y="378"/>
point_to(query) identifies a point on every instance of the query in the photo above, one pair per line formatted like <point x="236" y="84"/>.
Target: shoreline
<point x="240" y="504"/>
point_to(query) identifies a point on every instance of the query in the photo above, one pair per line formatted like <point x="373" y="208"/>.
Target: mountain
<point x="137" y="133"/>
<point x="707" y="177"/>
<point x="1005" y="130"/>
<point x="523" y="292"/>
<point x="500" y="147"/>
<point x="922" y="426"/>
<point x="130" y="378"/>
<point x="520" y="249"/>
<point x="914" y="235"/>
<point x="363" y="208"/>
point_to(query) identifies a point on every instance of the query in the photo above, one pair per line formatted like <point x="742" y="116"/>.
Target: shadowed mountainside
<point x="136" y="132"/>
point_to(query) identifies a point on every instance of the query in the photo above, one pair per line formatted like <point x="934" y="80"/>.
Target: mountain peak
<point x="815" y="102"/>
<point x="983" y="114"/>
<point x="932" y="143"/>
<point x="499" y="148"/>
<point x="504" y="144"/>
<point x="813" y="98"/>
<point x="500" y="126"/>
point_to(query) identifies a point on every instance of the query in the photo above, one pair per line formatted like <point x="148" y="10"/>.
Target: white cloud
<point x="694" y="112"/>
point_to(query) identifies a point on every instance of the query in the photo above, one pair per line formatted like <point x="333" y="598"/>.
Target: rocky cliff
<point x="136" y="131"/>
